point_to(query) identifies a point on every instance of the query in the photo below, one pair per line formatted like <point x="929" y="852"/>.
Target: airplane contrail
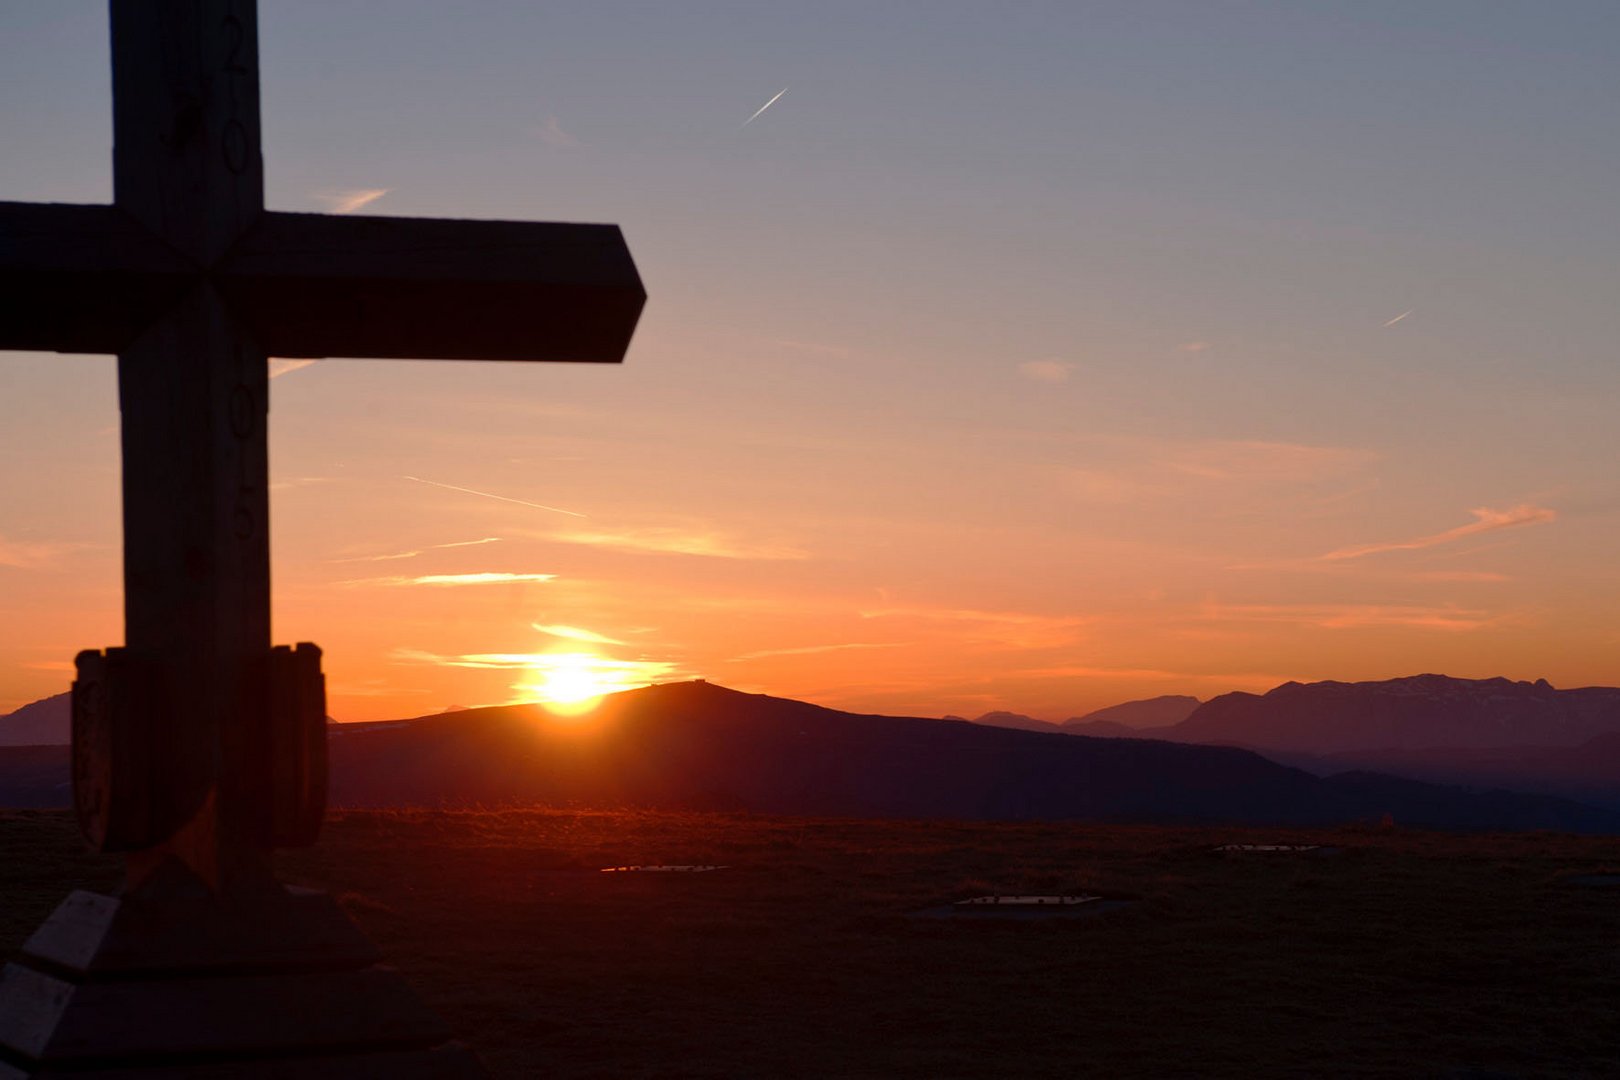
<point x="763" y="107"/>
<point x="502" y="498"/>
<point x="1399" y="317"/>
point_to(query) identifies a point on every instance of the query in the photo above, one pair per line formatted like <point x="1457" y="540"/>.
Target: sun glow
<point x="573" y="683"/>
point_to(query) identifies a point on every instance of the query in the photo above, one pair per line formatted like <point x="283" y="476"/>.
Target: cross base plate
<point x="171" y="980"/>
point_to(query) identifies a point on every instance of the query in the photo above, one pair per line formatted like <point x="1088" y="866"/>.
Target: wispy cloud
<point x="485" y="578"/>
<point x="25" y="555"/>
<point x="371" y="688"/>
<point x="499" y="498"/>
<point x="807" y="650"/>
<point x="1218" y="678"/>
<point x="607" y="674"/>
<point x="348" y="200"/>
<point x="1121" y="469"/>
<point x="1195" y="346"/>
<point x="676" y="541"/>
<point x="391" y="556"/>
<point x="289" y="482"/>
<point x="1485" y="520"/>
<point x="575" y="633"/>
<point x="1399" y="317"/>
<point x="814" y="348"/>
<point x="1013" y="629"/>
<point x="552" y="134"/>
<point x="1357" y="616"/>
<point x="1462" y="576"/>
<point x="280" y="366"/>
<point x="469" y="660"/>
<point x="1046" y="371"/>
<point x="1246" y="459"/>
<point x="763" y="107"/>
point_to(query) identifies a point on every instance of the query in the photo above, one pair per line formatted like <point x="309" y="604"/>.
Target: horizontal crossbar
<point x="81" y="279"/>
<point x="88" y="279"/>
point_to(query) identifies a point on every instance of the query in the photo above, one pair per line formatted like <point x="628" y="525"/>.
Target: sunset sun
<point x="570" y="684"/>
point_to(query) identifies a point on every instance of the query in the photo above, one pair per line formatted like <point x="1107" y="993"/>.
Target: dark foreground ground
<point x="1407" y="954"/>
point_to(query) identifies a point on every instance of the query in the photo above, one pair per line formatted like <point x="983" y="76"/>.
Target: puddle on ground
<point x="1275" y="849"/>
<point x="1023" y="906"/>
<point x="1595" y="881"/>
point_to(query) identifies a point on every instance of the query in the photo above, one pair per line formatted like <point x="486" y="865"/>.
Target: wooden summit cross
<point x="198" y="748"/>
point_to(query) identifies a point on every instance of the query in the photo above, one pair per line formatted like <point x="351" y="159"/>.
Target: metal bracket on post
<point x="296" y="755"/>
<point x="125" y="788"/>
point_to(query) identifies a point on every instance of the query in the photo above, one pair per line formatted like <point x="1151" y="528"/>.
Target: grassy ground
<point x="1407" y="954"/>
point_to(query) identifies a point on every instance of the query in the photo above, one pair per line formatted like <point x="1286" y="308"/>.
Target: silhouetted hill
<point x="1017" y="721"/>
<point x="697" y="745"/>
<point x="1162" y="711"/>
<point x="1588" y="773"/>
<point x="47" y="722"/>
<point x="1419" y="712"/>
<point x="701" y="746"/>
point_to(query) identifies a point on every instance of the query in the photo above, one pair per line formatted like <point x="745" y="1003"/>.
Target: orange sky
<point x="1249" y="349"/>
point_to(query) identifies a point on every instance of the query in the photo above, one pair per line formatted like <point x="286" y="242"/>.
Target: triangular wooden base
<point x="173" y="981"/>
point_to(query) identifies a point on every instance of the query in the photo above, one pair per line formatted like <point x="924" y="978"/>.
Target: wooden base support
<point x="171" y="980"/>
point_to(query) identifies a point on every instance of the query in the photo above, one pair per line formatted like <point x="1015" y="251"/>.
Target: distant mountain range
<point x="1422" y="711"/>
<point x="1160" y="711"/>
<point x="46" y="722"/>
<point x="1128" y="719"/>
<point x="700" y="746"/>
<point x="1481" y="734"/>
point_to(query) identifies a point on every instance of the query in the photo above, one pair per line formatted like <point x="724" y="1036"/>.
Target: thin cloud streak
<point x="575" y="633"/>
<point x="552" y="134"/>
<point x="470" y="543"/>
<point x="292" y="482"/>
<point x="665" y="541"/>
<point x="280" y="365"/>
<point x="22" y="555"/>
<point x="487" y="578"/>
<point x="419" y="551"/>
<point x="763" y="107"/>
<point x="999" y="629"/>
<point x="1219" y="678"/>
<point x="1008" y="618"/>
<point x="613" y="675"/>
<point x="1486" y="520"/>
<point x="807" y="650"/>
<point x="1358" y="616"/>
<point x="1120" y="469"/>
<point x="1398" y="318"/>
<point x="1463" y="576"/>
<point x="379" y="558"/>
<point x="348" y="200"/>
<point x="1046" y="371"/>
<point x="500" y="498"/>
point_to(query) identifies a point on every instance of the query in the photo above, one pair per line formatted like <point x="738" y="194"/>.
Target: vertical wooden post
<point x="193" y="392"/>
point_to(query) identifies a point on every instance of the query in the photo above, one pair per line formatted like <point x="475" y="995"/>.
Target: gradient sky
<point x="1025" y="356"/>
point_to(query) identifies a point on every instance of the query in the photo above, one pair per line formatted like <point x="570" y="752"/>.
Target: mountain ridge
<point x="46" y="722"/>
<point x="698" y="745"/>
<point x="1412" y="712"/>
<point x="481" y="746"/>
